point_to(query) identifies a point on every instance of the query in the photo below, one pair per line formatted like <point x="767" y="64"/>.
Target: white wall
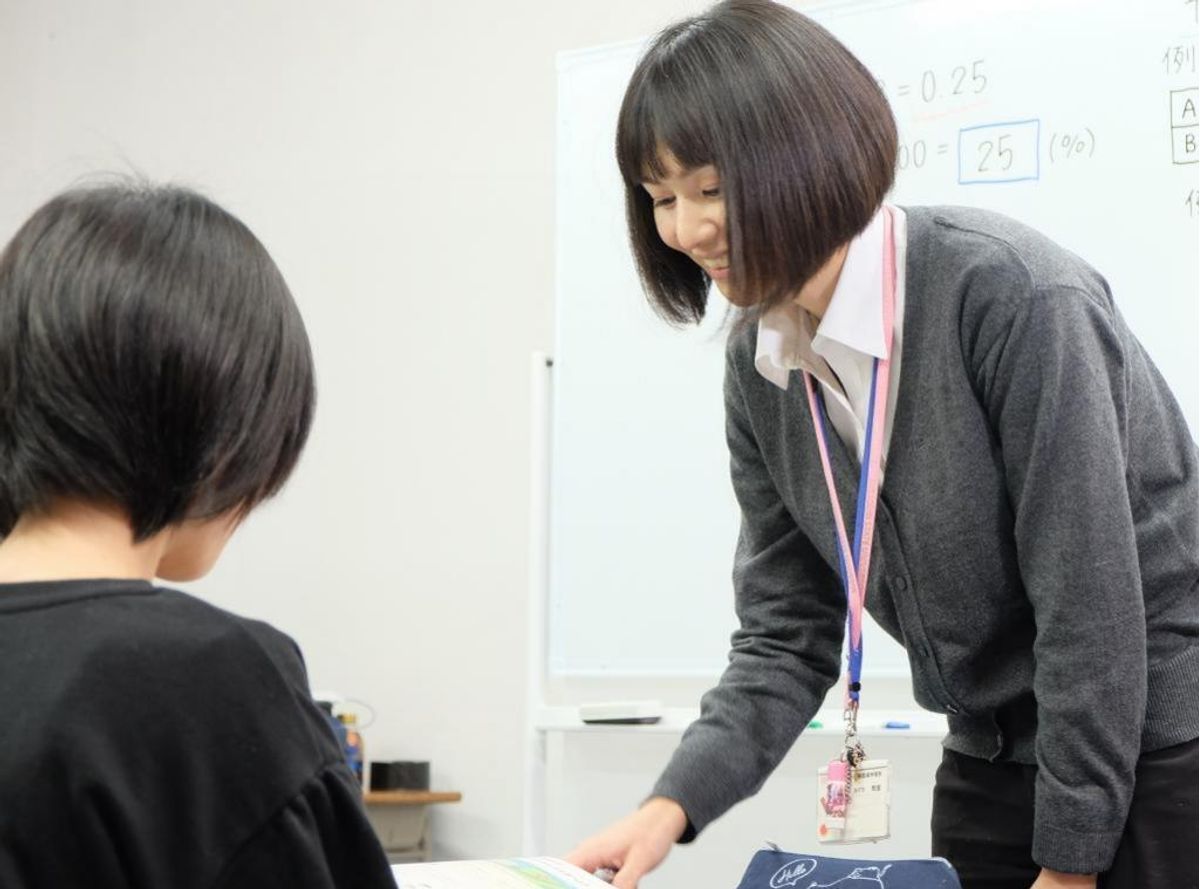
<point x="397" y="158"/>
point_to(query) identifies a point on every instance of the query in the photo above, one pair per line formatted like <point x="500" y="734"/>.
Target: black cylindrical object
<point x="399" y="775"/>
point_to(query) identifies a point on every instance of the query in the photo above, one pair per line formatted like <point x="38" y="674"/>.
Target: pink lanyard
<point x="855" y="560"/>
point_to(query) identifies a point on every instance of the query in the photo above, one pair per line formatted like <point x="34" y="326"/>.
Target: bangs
<point x="671" y="110"/>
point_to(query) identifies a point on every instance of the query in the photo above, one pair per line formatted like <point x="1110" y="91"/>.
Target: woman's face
<point x="689" y="212"/>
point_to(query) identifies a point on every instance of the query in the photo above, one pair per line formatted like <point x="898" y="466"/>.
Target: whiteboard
<point x="1079" y="118"/>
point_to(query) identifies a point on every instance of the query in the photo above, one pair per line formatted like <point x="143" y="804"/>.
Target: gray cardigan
<point x="1036" y="542"/>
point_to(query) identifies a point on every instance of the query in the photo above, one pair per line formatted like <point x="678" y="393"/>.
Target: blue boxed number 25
<point x="774" y="869"/>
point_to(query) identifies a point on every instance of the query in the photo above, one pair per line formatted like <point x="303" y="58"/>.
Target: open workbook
<point x="508" y="873"/>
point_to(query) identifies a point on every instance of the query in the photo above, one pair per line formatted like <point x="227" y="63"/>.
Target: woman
<point x="1035" y="532"/>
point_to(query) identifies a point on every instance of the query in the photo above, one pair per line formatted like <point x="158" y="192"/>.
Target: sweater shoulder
<point x="172" y="660"/>
<point x="995" y="255"/>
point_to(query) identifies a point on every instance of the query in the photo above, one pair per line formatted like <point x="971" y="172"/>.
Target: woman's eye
<point x="714" y="192"/>
<point x="663" y="202"/>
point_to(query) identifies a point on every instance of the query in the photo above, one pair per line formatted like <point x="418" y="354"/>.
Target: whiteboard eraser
<point x="621" y="713"/>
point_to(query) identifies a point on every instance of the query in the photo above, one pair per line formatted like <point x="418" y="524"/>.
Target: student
<point x="156" y="384"/>
<point x="1035" y="536"/>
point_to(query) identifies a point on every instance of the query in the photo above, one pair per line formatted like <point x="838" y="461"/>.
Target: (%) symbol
<point x="1065" y="146"/>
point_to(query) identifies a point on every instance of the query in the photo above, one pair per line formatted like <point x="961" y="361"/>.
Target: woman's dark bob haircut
<point x="151" y="359"/>
<point x="798" y="129"/>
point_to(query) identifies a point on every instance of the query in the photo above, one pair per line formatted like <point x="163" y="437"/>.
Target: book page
<point x="510" y="873"/>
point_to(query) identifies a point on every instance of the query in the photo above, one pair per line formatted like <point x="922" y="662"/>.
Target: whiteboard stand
<point x="534" y="827"/>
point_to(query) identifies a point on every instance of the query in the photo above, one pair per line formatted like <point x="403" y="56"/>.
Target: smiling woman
<point x="804" y="142"/>
<point x="689" y="214"/>
<point x="936" y="415"/>
<point x="690" y="217"/>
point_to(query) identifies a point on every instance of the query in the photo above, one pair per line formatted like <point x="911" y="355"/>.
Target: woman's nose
<point x="696" y="226"/>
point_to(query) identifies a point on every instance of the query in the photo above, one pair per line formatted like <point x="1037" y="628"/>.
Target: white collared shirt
<point x="848" y="339"/>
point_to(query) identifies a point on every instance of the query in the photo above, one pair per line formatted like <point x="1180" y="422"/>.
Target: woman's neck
<point x="817" y="293"/>
<point x="73" y="540"/>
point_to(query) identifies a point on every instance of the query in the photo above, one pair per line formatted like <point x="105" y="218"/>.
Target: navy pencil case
<point x="776" y="869"/>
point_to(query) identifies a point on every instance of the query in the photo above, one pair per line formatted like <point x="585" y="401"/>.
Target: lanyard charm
<point x="839" y="774"/>
<point x="836" y="798"/>
<point x="853" y="753"/>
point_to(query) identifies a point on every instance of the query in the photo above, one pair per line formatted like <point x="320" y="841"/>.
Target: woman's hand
<point x="1052" y="879"/>
<point x="636" y="844"/>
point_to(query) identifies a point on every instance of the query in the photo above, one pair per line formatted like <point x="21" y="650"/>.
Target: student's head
<point x="759" y="100"/>
<point x="153" y="362"/>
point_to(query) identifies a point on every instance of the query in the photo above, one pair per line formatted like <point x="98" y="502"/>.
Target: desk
<point x="401" y="819"/>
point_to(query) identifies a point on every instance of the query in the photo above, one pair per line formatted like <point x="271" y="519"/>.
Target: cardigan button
<point x="900" y="582"/>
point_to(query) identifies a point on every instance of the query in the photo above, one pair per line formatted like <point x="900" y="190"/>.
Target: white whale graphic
<point x="873" y="874"/>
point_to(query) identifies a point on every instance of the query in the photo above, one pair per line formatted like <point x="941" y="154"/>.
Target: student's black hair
<point x="800" y="133"/>
<point x="151" y="359"/>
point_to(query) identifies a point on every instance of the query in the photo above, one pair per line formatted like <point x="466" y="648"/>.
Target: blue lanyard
<point x="854" y="640"/>
<point x="854" y="558"/>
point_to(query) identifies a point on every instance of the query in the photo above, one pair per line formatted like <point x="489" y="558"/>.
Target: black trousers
<point x="983" y="823"/>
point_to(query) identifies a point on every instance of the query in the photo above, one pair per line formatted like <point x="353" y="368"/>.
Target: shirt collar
<point x="854" y="317"/>
<point x="855" y="314"/>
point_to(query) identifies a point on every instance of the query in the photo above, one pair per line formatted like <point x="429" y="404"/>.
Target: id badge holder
<point x="854" y="805"/>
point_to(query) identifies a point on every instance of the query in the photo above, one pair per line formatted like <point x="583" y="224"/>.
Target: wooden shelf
<point x="409" y="797"/>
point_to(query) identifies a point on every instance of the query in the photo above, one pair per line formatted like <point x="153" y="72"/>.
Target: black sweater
<point x="149" y="739"/>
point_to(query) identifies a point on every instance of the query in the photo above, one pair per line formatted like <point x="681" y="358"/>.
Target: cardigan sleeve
<point x="1052" y="367"/>
<point x="783" y="658"/>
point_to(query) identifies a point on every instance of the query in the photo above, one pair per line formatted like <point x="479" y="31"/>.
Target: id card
<point x="866" y="814"/>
